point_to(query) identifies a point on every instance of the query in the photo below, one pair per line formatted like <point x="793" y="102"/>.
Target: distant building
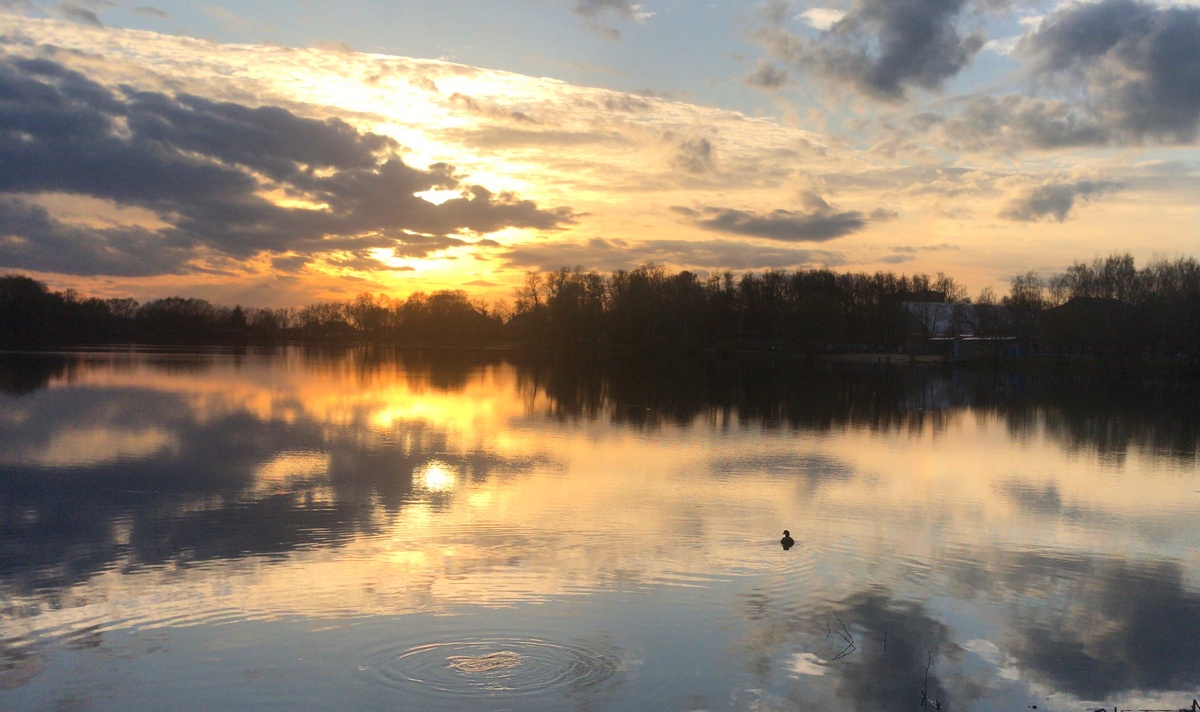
<point x="959" y="330"/>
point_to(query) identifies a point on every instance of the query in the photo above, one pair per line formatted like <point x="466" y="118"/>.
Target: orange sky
<point x="160" y="164"/>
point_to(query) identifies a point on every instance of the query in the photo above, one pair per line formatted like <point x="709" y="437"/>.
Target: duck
<point x="787" y="541"/>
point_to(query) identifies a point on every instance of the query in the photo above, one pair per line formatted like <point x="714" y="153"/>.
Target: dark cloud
<point x="31" y="239"/>
<point x="595" y="12"/>
<point x="1131" y="71"/>
<point x="1137" y="62"/>
<point x="784" y="225"/>
<point x="71" y="11"/>
<point x="1054" y="200"/>
<point x="913" y="250"/>
<point x="290" y="264"/>
<point x="421" y="245"/>
<point x="203" y="167"/>
<point x="884" y="48"/>
<point x="694" y="155"/>
<point x="624" y="102"/>
<point x="621" y="8"/>
<point x="151" y="12"/>
<point x="819" y="224"/>
<point x="766" y="75"/>
<point x="1012" y="122"/>
<point x="488" y="109"/>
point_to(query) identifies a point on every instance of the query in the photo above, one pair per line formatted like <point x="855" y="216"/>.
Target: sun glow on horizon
<point x="574" y="174"/>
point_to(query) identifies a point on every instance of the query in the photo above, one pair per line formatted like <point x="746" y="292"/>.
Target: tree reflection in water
<point x="119" y="463"/>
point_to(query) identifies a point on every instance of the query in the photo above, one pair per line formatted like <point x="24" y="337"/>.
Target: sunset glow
<point x="780" y="143"/>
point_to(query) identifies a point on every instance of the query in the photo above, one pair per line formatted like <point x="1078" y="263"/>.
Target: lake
<point x="365" y="529"/>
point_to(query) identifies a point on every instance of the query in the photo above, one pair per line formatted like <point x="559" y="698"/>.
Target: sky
<point x="279" y="153"/>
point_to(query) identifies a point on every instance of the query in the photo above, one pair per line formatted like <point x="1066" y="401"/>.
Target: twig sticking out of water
<point x="845" y="635"/>
<point x="925" y="701"/>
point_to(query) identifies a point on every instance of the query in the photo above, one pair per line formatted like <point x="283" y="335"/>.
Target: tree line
<point x="1108" y="304"/>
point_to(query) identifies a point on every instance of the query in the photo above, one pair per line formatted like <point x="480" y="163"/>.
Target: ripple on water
<point x="490" y="666"/>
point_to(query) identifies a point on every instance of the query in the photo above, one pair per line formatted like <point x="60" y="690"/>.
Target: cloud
<point x="506" y="137"/>
<point x="31" y="239"/>
<point x="595" y="10"/>
<point x="822" y="18"/>
<point x="907" y="253"/>
<point x="71" y="11"/>
<point x="819" y="224"/>
<point x="621" y="8"/>
<point x="1054" y="200"/>
<point x="232" y="21"/>
<point x="335" y="46"/>
<point x="487" y="109"/>
<point x="205" y="169"/>
<point x="629" y="103"/>
<point x="1127" y="73"/>
<point x="149" y="11"/>
<point x="767" y="75"/>
<point x="1013" y="122"/>
<point x="608" y="255"/>
<point x="884" y="48"/>
<point x="694" y="155"/>
<point x="1137" y="62"/>
<point x="290" y="264"/>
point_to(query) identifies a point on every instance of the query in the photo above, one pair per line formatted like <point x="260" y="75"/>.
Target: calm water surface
<point x="339" y="530"/>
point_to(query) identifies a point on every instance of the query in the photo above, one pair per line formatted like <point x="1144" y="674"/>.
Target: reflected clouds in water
<point x="1091" y="626"/>
<point x="868" y="651"/>
<point x="131" y="470"/>
<point x="886" y="675"/>
<point x="73" y="504"/>
<point x="1127" y="627"/>
<point x="812" y="470"/>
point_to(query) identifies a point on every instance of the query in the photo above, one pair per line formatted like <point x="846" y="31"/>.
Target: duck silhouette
<point x="787" y="541"/>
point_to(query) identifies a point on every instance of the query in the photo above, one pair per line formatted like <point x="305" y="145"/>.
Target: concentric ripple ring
<point x="487" y="666"/>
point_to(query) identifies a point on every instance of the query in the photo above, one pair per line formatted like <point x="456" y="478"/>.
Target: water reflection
<point x="1108" y="415"/>
<point x="987" y="539"/>
<point x="1096" y="626"/>
<point x="94" y="476"/>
